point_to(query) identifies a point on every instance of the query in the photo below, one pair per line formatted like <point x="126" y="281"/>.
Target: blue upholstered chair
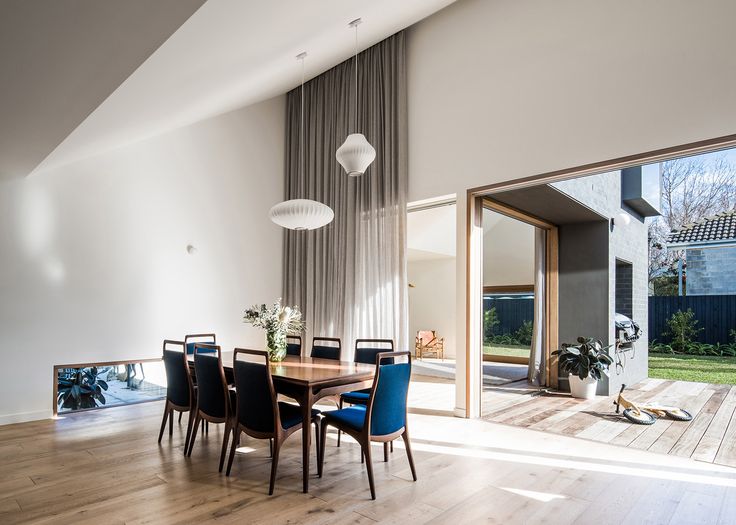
<point x="382" y="419"/>
<point x="294" y="345"/>
<point x="326" y="348"/>
<point x="214" y="400"/>
<point x="180" y="396"/>
<point x="191" y="339"/>
<point x="258" y="412"/>
<point x="366" y="351"/>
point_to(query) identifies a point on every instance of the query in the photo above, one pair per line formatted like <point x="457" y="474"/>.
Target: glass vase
<point x="276" y="344"/>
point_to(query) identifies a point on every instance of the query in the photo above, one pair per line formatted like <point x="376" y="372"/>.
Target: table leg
<point x="306" y="406"/>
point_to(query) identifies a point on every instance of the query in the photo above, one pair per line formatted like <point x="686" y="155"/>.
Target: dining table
<point x="307" y="380"/>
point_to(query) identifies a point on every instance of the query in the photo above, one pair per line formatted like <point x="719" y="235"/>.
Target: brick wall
<point x="711" y="271"/>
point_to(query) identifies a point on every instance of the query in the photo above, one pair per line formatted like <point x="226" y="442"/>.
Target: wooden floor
<point x="710" y="436"/>
<point x="105" y="467"/>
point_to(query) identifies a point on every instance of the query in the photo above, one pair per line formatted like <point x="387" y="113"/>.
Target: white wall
<point x="508" y="251"/>
<point x="432" y="299"/>
<point x="502" y="89"/>
<point x="93" y="260"/>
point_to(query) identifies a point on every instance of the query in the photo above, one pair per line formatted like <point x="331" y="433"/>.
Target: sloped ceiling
<point x="59" y="59"/>
<point x="229" y="54"/>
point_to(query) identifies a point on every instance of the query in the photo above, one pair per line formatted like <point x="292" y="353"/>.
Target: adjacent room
<point x="351" y="261"/>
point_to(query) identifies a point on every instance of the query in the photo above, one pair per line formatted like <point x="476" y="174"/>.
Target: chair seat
<point x="351" y="417"/>
<point x="359" y="397"/>
<point x="291" y="415"/>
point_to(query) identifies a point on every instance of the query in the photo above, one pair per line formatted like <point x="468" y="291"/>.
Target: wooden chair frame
<point x="329" y="340"/>
<point x="436" y="346"/>
<point x="170" y="407"/>
<point x="364" y="437"/>
<point x="355" y="355"/>
<point x="279" y="435"/>
<point x="200" y="416"/>
<point x="298" y="338"/>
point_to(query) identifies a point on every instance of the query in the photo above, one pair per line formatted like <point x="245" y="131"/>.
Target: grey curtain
<point x="349" y="278"/>
<point x="537" y="364"/>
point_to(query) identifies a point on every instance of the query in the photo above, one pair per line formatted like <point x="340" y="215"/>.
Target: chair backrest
<point x="192" y="339"/>
<point x="386" y="409"/>
<point x="178" y="378"/>
<point x="212" y="396"/>
<point x="426" y="336"/>
<point x="327" y="348"/>
<point x="366" y="350"/>
<point x="293" y="345"/>
<point x="257" y="406"/>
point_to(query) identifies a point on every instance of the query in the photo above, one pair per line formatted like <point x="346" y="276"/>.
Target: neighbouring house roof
<point x="718" y="229"/>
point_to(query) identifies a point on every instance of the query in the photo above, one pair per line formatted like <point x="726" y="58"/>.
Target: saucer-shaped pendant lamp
<point x="356" y="153"/>
<point x="301" y="214"/>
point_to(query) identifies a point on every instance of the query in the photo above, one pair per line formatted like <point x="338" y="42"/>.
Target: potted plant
<point x="585" y="363"/>
<point x="80" y="388"/>
<point x="277" y="321"/>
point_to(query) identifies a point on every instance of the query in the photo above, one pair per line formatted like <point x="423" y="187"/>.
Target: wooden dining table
<point x="307" y="380"/>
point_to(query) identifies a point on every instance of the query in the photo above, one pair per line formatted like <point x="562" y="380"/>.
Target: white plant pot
<point x="582" y="388"/>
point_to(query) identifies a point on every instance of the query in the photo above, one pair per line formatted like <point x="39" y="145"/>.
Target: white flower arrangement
<point x="278" y="321"/>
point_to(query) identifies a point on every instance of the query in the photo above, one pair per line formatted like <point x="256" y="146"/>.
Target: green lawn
<point x="512" y="350"/>
<point x="704" y="369"/>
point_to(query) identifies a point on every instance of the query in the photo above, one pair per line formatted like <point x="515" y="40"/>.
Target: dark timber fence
<point x="716" y="315"/>
<point x="511" y="313"/>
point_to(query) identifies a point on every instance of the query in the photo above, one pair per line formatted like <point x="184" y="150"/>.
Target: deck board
<point x="710" y="436"/>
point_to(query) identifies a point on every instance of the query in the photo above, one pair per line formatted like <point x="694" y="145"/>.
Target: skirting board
<point x="23" y="417"/>
<point x="460" y="412"/>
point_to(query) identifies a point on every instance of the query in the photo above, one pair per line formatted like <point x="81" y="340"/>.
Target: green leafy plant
<point x="505" y="340"/>
<point x="490" y="322"/>
<point x="80" y="388"/>
<point x="682" y="330"/>
<point x="587" y="357"/>
<point x="524" y="334"/>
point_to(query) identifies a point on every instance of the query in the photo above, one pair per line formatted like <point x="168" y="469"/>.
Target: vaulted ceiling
<point x="85" y="76"/>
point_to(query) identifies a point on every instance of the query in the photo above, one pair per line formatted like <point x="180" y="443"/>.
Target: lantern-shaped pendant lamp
<point x="356" y="153"/>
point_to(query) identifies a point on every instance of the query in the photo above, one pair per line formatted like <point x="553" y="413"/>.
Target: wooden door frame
<point x="551" y="279"/>
<point x="474" y="244"/>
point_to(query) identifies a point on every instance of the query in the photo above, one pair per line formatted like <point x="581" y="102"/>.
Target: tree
<point x="693" y="188"/>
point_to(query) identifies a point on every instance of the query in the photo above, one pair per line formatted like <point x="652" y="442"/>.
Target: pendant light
<point x="356" y="153"/>
<point x="301" y="214"/>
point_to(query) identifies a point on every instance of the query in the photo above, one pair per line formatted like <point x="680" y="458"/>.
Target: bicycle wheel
<point x="679" y="415"/>
<point x="643" y="418"/>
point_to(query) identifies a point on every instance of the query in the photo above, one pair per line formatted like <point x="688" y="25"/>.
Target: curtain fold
<point x="349" y="278"/>
<point x="537" y="363"/>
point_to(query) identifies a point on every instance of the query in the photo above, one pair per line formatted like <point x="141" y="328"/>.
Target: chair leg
<point x="171" y="422"/>
<point x="338" y="430"/>
<point x="180" y="414"/>
<point x="206" y="427"/>
<point x="407" y="445"/>
<point x="392" y="447"/>
<point x="236" y="442"/>
<point x="225" y="437"/>
<point x="321" y="455"/>
<point x="197" y="420"/>
<point x="270" y="447"/>
<point x="274" y="465"/>
<point x="316" y="437"/>
<point x="385" y="451"/>
<point x="369" y="467"/>
<point x="163" y="421"/>
<point x="189" y="429"/>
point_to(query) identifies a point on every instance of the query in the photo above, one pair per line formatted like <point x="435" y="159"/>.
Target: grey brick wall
<point x="711" y="271"/>
<point x="627" y="242"/>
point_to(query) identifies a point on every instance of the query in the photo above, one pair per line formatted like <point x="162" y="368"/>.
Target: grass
<point x="702" y="369"/>
<point x="512" y="350"/>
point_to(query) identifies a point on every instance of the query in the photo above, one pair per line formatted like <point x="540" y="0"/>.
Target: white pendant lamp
<point x="301" y="214"/>
<point x="356" y="153"/>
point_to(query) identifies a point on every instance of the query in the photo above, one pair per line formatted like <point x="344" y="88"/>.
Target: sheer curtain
<point x="537" y="363"/>
<point x="349" y="278"/>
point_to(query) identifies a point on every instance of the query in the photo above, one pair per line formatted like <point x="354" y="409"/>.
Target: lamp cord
<point x="301" y="129"/>
<point x="356" y="78"/>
